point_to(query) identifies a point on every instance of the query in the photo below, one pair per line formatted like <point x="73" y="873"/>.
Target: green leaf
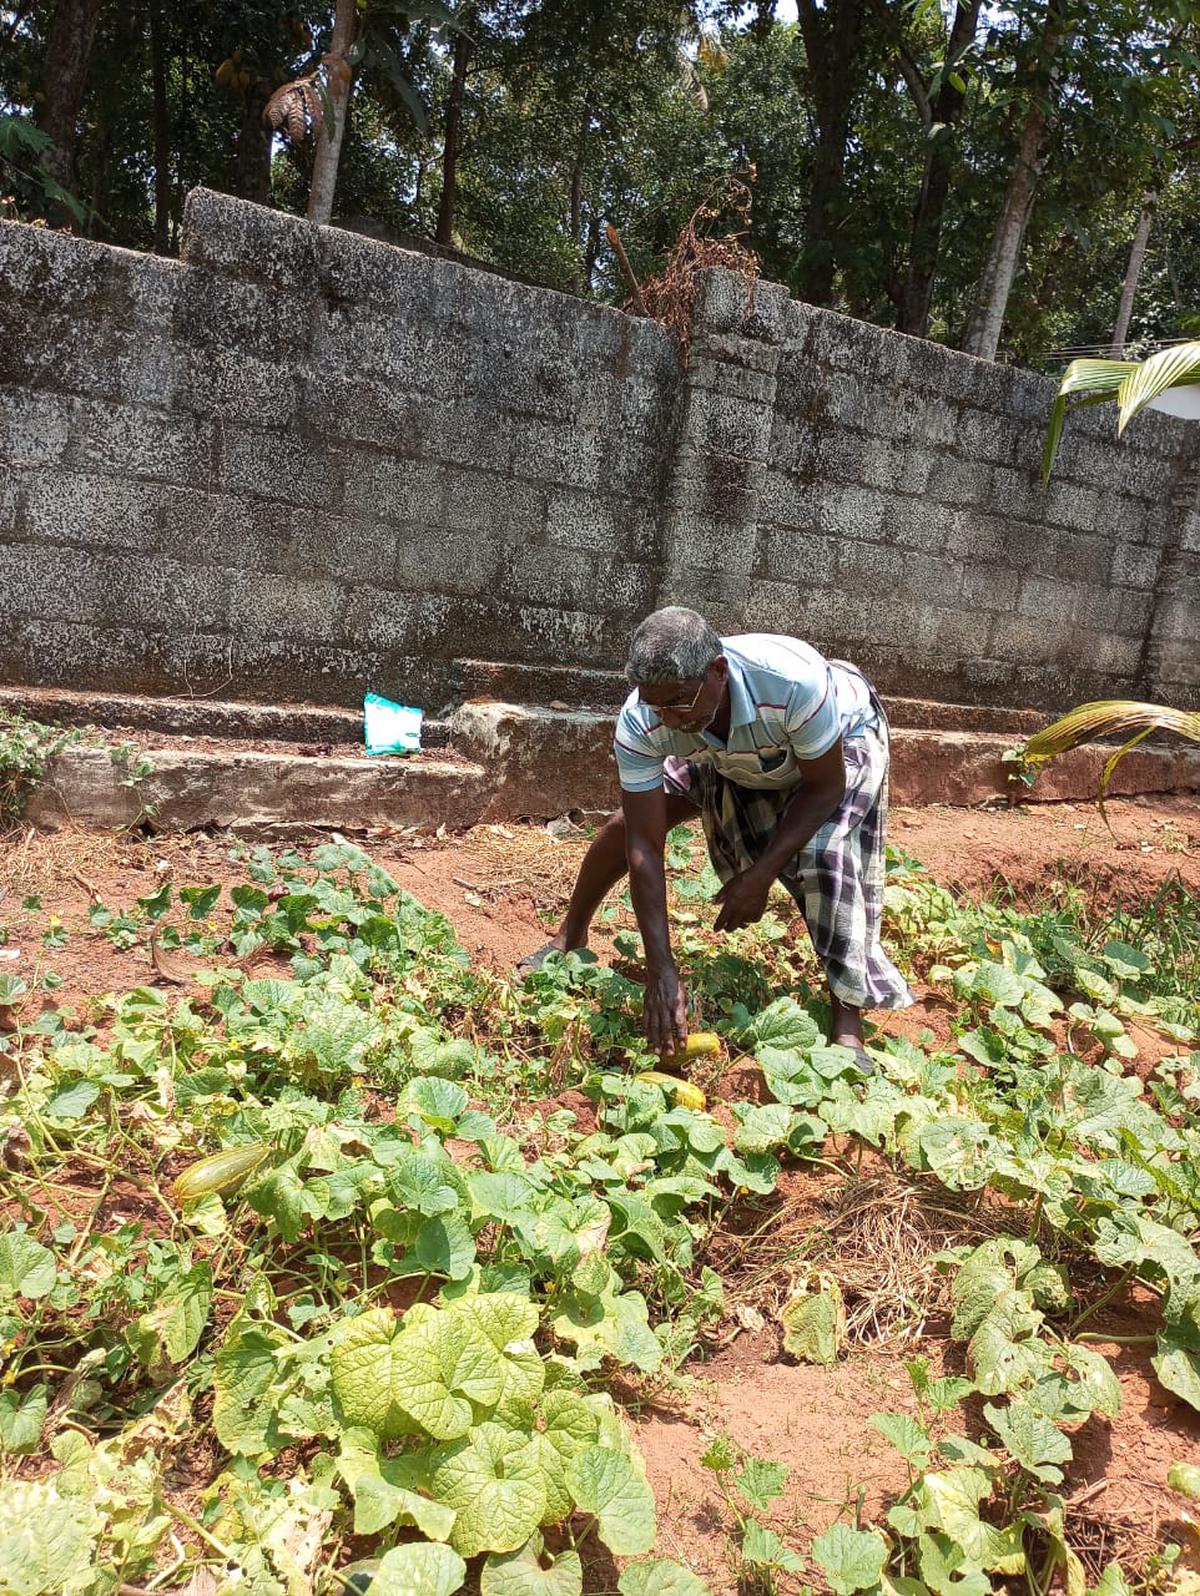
<point x="1112" y="1582"/>
<point x="814" y="1324"/>
<point x="419" y="1569"/>
<point x="425" y="1374"/>
<point x="531" y="1571"/>
<point x="171" y="1330"/>
<point x="1032" y="1440"/>
<point x="1177" y="1365"/>
<point x="948" y="1392"/>
<point x="21" y="1420"/>
<point x="960" y="1152"/>
<point x="492" y="1480"/>
<point x="381" y="1490"/>
<point x="200" y="900"/>
<point x="445" y="1246"/>
<point x="851" y="1560"/>
<point x="764" y="1126"/>
<point x="763" y="1548"/>
<point x="906" y="1435"/>
<point x="46" y="1539"/>
<point x="660" y="1577"/>
<point x="436" y="1101"/>
<point x="784" y="1024"/>
<point x="610" y="1486"/>
<point x="760" y="1482"/>
<point x="73" y="1101"/>
<point x="27" y="1268"/>
<point x="246" y="1371"/>
<point x="948" y="1571"/>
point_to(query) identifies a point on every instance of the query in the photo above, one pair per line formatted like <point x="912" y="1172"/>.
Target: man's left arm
<point x="821" y="789"/>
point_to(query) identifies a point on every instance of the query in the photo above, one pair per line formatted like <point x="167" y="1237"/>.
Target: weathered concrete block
<point x="89" y="510"/>
<point x="725" y="424"/>
<point x="212" y="311"/>
<point x="476" y="501"/>
<point x="143" y="443"/>
<point x="793" y="554"/>
<point x="390" y="487"/>
<point x="728" y="303"/>
<point x="272" y="605"/>
<point x="55" y="584"/>
<point x="853" y="513"/>
<point x="245" y="240"/>
<point x="989" y="587"/>
<point x="1044" y="599"/>
<point x="280" y="465"/>
<point x="33" y="427"/>
<point x="584" y="521"/>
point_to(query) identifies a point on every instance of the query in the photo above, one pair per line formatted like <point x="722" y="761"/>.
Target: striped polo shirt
<point x="787" y="703"/>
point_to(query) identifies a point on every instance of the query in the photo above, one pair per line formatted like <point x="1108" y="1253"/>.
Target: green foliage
<point x="25" y="745"/>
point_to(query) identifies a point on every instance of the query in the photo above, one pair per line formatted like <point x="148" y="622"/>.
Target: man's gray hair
<point x="672" y="645"/>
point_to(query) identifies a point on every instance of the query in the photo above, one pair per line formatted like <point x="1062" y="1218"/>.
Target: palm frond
<point x="1108" y="717"/>
<point x="1086" y="382"/>
<point x="1169" y="368"/>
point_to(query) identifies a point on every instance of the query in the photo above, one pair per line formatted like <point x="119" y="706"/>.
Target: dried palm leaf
<point x="295" y="107"/>
<point x="1108" y="717"/>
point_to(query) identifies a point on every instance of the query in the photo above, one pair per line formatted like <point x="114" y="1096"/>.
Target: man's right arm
<point x="645" y="842"/>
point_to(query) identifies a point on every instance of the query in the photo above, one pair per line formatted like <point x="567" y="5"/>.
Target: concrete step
<point x="506" y="762"/>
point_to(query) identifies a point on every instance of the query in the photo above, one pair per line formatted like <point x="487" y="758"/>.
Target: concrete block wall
<point x="299" y="463"/>
<point x="881" y="496"/>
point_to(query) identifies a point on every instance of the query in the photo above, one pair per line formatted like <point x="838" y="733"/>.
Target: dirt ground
<point x="501" y="886"/>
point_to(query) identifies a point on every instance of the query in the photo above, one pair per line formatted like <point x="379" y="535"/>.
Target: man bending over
<point x="784" y="755"/>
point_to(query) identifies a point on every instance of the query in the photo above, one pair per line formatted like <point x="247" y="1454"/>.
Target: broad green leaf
<point x="46" y="1539"/>
<point x="436" y="1101"/>
<point x="851" y="1559"/>
<point x="1032" y="1440"/>
<point x="763" y="1548"/>
<point x="492" y="1480"/>
<point x="1099" y="1390"/>
<point x="947" y="1570"/>
<point x="953" y="1498"/>
<point x="906" y="1435"/>
<point x="1112" y="1582"/>
<point x="21" y="1420"/>
<point x="508" y="1322"/>
<point x="565" y="1424"/>
<point x="445" y="1246"/>
<point x="26" y="1267"/>
<point x="1006" y="1352"/>
<point x="1177" y="1365"/>
<point x="427" y="1373"/>
<point x="614" y="1325"/>
<point x="173" y="1327"/>
<point x="381" y="1490"/>
<point x="814" y="1324"/>
<point x="760" y="1482"/>
<point x="783" y="1024"/>
<point x="660" y="1577"/>
<point x="426" y="1181"/>
<point x="764" y="1126"/>
<point x="610" y="1486"/>
<point x="960" y="1152"/>
<point x="419" y="1569"/>
<point x="246" y="1370"/>
<point x="532" y="1571"/>
<point x="948" y="1392"/>
<point x="73" y="1101"/>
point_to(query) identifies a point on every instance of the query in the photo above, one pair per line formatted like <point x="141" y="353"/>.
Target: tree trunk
<point x="64" y="79"/>
<point x="831" y="37"/>
<point x="925" y="239"/>
<point x="1137" y="254"/>
<point x="162" y="135"/>
<point x="576" y="222"/>
<point x="339" y="82"/>
<point x="252" y="159"/>
<point x="447" y="203"/>
<point x="987" y="319"/>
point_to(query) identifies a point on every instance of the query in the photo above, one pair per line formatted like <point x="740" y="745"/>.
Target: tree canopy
<point x="992" y="177"/>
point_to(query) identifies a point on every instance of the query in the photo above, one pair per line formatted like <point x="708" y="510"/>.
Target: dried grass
<point x="877" y="1235"/>
<point x="670" y="297"/>
<point x="525" y="859"/>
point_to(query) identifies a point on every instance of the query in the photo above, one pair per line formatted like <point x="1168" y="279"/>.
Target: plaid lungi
<point x="836" y="879"/>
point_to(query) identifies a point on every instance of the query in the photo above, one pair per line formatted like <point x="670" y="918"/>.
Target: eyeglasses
<point x="678" y="709"/>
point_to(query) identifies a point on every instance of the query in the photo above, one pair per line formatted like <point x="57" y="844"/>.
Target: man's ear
<point x="721" y="665"/>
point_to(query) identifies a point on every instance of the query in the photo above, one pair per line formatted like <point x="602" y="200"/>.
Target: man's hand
<point x="664" y="1016"/>
<point x="743" y="900"/>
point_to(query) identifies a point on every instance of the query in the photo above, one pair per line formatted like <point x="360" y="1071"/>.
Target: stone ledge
<point x="511" y="762"/>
